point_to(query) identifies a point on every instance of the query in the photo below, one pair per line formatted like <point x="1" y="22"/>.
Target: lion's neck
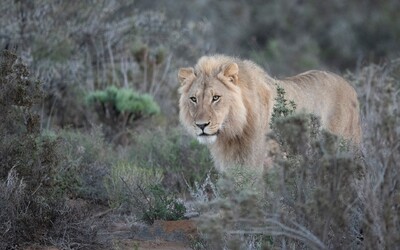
<point x="241" y="150"/>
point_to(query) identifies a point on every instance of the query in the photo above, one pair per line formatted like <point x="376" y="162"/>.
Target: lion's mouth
<point x="205" y="134"/>
<point x="207" y="139"/>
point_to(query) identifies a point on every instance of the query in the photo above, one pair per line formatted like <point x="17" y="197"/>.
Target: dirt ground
<point x="151" y="245"/>
<point x="122" y="232"/>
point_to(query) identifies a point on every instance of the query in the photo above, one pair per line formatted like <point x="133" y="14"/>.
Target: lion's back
<point x="330" y="97"/>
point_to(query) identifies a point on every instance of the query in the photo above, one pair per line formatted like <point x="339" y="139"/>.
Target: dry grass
<point x="379" y="92"/>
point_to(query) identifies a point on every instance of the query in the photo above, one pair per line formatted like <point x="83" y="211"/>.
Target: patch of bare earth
<point x="161" y="235"/>
<point x="116" y="231"/>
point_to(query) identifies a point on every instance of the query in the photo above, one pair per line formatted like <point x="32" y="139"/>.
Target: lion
<point x="227" y="103"/>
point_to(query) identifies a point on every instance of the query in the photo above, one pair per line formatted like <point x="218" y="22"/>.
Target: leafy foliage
<point x="281" y="108"/>
<point x="125" y="178"/>
<point x="181" y="158"/>
<point x="86" y="159"/>
<point x="139" y="190"/>
<point x="19" y="124"/>
<point x="121" y="106"/>
<point x="28" y="162"/>
<point x="162" y="206"/>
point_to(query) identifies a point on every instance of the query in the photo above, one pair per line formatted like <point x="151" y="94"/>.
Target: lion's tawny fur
<point x="234" y="98"/>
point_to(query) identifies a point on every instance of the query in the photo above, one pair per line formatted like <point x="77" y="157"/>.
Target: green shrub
<point x="281" y="107"/>
<point x="19" y="124"/>
<point x="138" y="190"/>
<point x="162" y="205"/>
<point x="180" y="158"/>
<point x="119" y="107"/>
<point x="85" y="163"/>
<point x="124" y="178"/>
<point x="30" y="209"/>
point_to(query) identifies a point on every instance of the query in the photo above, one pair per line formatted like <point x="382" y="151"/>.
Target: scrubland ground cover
<point x="89" y="125"/>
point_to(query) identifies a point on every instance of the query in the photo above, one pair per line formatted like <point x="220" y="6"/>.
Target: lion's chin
<point x="207" y="139"/>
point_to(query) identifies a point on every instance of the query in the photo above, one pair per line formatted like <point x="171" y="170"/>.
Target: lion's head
<point x="211" y="104"/>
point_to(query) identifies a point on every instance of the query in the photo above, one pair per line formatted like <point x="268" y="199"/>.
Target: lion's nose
<point x="202" y="126"/>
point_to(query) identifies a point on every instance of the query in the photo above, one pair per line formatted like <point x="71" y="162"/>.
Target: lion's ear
<point x="231" y="71"/>
<point x="185" y="73"/>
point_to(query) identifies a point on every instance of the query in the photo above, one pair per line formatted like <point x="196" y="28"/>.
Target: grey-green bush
<point x="181" y="158"/>
<point x="30" y="205"/>
<point x="119" y="107"/>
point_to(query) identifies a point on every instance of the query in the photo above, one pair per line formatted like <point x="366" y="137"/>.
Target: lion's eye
<point x="193" y="99"/>
<point x="216" y="98"/>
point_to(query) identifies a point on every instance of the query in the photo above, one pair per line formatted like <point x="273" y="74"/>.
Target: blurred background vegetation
<point x="89" y="106"/>
<point x="75" y="48"/>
